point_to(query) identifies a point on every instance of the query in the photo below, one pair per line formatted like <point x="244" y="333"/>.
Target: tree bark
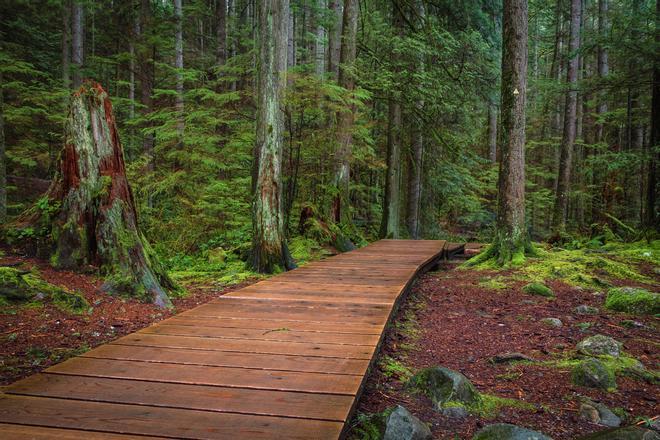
<point x="603" y="67"/>
<point x="178" y="64"/>
<point x="146" y="56"/>
<point x="269" y="249"/>
<point x="3" y="157"/>
<point x="415" y="178"/>
<point x="345" y="117"/>
<point x="77" y="39"/>
<point x="319" y="42"/>
<point x="91" y="212"/>
<point x="492" y="132"/>
<point x="568" y="137"/>
<point x="334" y="37"/>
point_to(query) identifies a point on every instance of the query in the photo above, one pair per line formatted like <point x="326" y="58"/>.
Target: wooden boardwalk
<point x="284" y="358"/>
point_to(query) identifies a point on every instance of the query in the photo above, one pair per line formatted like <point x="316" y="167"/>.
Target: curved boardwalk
<point x="284" y="358"/>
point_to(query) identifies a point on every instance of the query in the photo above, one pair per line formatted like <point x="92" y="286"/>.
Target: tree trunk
<point x="511" y="241"/>
<point x="334" y="37"/>
<point x="146" y="56"/>
<point x="319" y="42"/>
<point x="66" y="44"/>
<point x="651" y="217"/>
<point x="269" y="249"/>
<point x="3" y="157"/>
<point x="178" y="64"/>
<point x="568" y="137"/>
<point x="91" y="211"/>
<point x="291" y="40"/>
<point x="221" y="33"/>
<point x="77" y="42"/>
<point x="492" y="132"/>
<point x="390" y="224"/>
<point x="603" y="67"/>
<point x="342" y="164"/>
<point x="415" y="178"/>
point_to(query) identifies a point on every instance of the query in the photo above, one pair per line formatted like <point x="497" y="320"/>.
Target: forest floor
<point x="460" y="319"/>
<point x="37" y="334"/>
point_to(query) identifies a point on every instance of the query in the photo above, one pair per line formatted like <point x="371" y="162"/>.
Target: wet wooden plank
<point x="156" y="421"/>
<point x="282" y="334"/>
<point x="175" y="395"/>
<point x="230" y="359"/>
<point x="248" y="346"/>
<point x="205" y="375"/>
<point x="22" y="432"/>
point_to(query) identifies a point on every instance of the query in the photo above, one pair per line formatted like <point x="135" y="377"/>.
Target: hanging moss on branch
<point x="90" y="217"/>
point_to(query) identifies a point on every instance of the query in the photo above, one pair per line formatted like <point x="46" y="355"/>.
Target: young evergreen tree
<point x="269" y="249"/>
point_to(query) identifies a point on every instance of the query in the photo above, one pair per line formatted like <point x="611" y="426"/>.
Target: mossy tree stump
<point x="90" y="211"/>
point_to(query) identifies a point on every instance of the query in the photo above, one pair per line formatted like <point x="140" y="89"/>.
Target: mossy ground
<point x="489" y="406"/>
<point x="633" y="300"/>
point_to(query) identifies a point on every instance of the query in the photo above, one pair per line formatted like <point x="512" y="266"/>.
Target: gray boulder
<point x="443" y="385"/>
<point x="586" y="310"/>
<point x="594" y="374"/>
<point x="506" y="431"/>
<point x="599" y="345"/>
<point x="401" y="425"/>
<point x="552" y="322"/>
<point x="627" y="433"/>
<point x="599" y="414"/>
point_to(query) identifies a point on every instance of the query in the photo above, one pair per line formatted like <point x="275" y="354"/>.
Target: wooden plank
<point x="22" y="432"/>
<point x="268" y="335"/>
<point x="274" y="324"/>
<point x="323" y="307"/>
<point x="155" y="421"/>
<point x="229" y="359"/>
<point x="248" y="346"/>
<point x="295" y="286"/>
<point x="174" y="395"/>
<point x="345" y="298"/>
<point x="205" y="375"/>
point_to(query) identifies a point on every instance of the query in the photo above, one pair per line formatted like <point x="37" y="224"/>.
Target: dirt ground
<point x="38" y="335"/>
<point x="461" y="325"/>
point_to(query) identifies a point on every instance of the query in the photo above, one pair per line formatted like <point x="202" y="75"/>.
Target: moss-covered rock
<point x="13" y="285"/>
<point x="506" y="431"/>
<point x="627" y="433"/>
<point x="633" y="300"/>
<point x="594" y="374"/>
<point x="598" y="345"/>
<point x="538" y="289"/>
<point x="401" y="425"/>
<point x="443" y="385"/>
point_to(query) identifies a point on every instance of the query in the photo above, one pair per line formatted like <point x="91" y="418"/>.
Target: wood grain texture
<point x="283" y="358"/>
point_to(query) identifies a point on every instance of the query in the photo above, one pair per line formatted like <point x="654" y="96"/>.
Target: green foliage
<point x="394" y="368"/>
<point x="633" y="300"/>
<point x="538" y="289"/>
<point x="494" y="283"/>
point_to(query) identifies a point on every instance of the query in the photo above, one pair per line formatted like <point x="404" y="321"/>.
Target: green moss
<point x="370" y="426"/>
<point x="489" y="406"/>
<point x="62" y="298"/>
<point x="538" y="289"/>
<point x="581" y="267"/>
<point x="633" y="300"/>
<point x="585" y="371"/>
<point x="394" y="368"/>
<point x="493" y="283"/>
<point x="304" y="249"/>
<point x="13" y="285"/>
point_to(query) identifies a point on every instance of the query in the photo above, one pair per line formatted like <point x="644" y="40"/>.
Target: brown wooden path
<point x="284" y="358"/>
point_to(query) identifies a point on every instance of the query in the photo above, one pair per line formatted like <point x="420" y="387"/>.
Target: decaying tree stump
<point x="91" y="213"/>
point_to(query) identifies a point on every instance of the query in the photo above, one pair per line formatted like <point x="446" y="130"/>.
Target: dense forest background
<point x="422" y="92"/>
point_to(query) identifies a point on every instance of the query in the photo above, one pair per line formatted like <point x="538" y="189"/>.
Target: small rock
<point x="538" y="289"/>
<point x="455" y="412"/>
<point x="401" y="425"/>
<point x="552" y="322"/>
<point x="510" y="357"/>
<point x="506" y="431"/>
<point x="598" y="345"/>
<point x="586" y="310"/>
<point x="599" y="414"/>
<point x="96" y="334"/>
<point x="593" y="373"/>
<point x="443" y="385"/>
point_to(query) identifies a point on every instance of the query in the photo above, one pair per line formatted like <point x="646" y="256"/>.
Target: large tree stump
<point x="91" y="213"/>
